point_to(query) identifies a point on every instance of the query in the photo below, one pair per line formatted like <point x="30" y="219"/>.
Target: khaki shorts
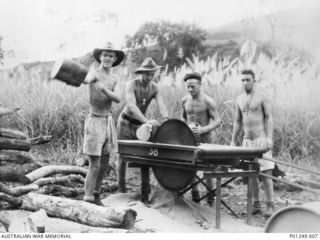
<point x="260" y="142"/>
<point x="207" y="138"/>
<point x="126" y="130"/>
<point x="98" y="136"/>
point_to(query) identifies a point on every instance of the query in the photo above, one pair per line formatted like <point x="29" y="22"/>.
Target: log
<point x="15" y="157"/>
<point x="58" y="190"/>
<point x="11" y="133"/>
<point x="16" y="173"/>
<point x="15" y="201"/>
<point x="33" y="223"/>
<point x="40" y="140"/>
<point x="18" y="191"/>
<point x="7" y="111"/>
<point x="60" y="180"/>
<point x="80" y="211"/>
<point x="14" y="144"/>
<point x="54" y="169"/>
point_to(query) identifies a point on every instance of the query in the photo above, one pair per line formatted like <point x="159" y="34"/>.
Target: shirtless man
<point x="253" y="114"/>
<point x="99" y="130"/>
<point x="139" y="94"/>
<point x="200" y="112"/>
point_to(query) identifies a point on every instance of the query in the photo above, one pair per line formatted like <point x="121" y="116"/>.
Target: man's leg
<point x="91" y="178"/>
<point x="104" y="162"/>
<point x="211" y="184"/>
<point x="268" y="189"/>
<point x="255" y="194"/>
<point x="121" y="175"/>
<point x="122" y="134"/>
<point x="195" y="195"/>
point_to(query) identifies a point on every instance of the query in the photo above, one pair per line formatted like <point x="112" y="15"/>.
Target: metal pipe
<point x="290" y="165"/>
<point x="290" y="183"/>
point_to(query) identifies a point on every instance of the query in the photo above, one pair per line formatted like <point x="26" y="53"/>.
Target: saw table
<point x="175" y="155"/>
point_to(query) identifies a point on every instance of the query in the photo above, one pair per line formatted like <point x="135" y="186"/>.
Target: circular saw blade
<point x="174" y="131"/>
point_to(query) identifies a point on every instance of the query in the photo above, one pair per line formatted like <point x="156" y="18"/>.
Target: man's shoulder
<point x="132" y="82"/>
<point x="185" y="98"/>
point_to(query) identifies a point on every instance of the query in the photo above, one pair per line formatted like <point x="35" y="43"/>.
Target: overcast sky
<point x="53" y="29"/>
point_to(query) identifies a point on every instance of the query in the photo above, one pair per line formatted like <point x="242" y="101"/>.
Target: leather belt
<point x="131" y="119"/>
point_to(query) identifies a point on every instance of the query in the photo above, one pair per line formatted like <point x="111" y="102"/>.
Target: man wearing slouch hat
<point x="139" y="94"/>
<point x="99" y="130"/>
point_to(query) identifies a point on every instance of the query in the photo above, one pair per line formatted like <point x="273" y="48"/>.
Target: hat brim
<point x="119" y="55"/>
<point x="143" y="70"/>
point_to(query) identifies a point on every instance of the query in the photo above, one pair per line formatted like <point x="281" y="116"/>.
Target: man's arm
<point x="162" y="108"/>
<point x="215" y="120"/>
<point x="114" y="96"/>
<point x="237" y="125"/>
<point x="132" y="103"/>
<point x="91" y="76"/>
<point x="268" y="120"/>
<point x="184" y="113"/>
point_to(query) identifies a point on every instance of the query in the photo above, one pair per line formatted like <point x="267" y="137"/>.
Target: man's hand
<point x="269" y="143"/>
<point x="198" y="130"/>
<point x="99" y="86"/>
<point x="233" y="143"/>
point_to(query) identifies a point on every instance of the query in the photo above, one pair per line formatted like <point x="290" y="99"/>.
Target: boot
<point x="97" y="199"/>
<point x="256" y="208"/>
<point x="210" y="198"/>
<point x="270" y="209"/>
<point x="195" y="196"/>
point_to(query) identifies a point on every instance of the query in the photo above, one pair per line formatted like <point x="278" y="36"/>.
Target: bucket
<point x="70" y="72"/>
<point x="297" y="219"/>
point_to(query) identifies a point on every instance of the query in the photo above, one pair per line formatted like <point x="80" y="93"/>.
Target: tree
<point x="168" y="43"/>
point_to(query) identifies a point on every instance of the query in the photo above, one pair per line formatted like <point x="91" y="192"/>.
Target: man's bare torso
<point x="100" y="103"/>
<point x="196" y="110"/>
<point x="143" y="95"/>
<point x="251" y="108"/>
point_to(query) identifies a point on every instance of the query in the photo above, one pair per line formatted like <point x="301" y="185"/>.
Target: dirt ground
<point x="167" y="213"/>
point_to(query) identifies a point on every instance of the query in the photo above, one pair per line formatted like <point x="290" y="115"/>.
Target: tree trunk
<point x="15" y="157"/>
<point x="16" y="173"/>
<point x="14" y="144"/>
<point x="11" y="133"/>
<point x="80" y="211"/>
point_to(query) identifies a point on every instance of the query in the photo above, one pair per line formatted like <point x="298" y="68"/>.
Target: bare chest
<point x="196" y="107"/>
<point x="250" y="104"/>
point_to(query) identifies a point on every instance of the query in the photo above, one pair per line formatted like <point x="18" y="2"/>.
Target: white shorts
<point x="260" y="142"/>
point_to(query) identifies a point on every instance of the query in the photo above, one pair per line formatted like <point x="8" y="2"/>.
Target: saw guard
<point x="174" y="131"/>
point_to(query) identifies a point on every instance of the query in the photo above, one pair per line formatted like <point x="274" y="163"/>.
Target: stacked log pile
<point x="28" y="185"/>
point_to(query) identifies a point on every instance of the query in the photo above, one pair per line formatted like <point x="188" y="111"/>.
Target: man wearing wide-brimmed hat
<point x="99" y="129"/>
<point x="139" y="94"/>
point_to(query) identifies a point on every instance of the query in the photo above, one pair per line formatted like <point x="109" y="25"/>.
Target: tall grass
<point x="51" y="107"/>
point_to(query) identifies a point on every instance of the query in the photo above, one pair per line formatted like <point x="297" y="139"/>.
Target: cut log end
<point x="129" y="219"/>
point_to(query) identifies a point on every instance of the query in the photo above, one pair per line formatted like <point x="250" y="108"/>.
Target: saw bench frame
<point x="216" y="161"/>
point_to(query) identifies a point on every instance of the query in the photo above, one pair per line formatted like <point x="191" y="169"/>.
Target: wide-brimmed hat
<point x="148" y="65"/>
<point x="109" y="47"/>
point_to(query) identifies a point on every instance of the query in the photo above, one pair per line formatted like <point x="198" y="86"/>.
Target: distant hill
<point x="293" y="34"/>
